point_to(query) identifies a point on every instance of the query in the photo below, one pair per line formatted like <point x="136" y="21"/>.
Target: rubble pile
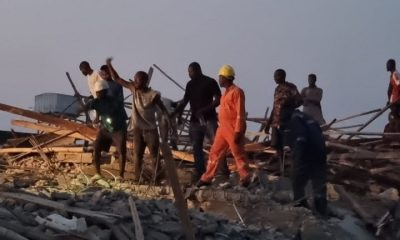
<point x="106" y="214"/>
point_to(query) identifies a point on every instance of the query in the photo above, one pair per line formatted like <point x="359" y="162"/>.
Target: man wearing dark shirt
<point x="203" y="94"/>
<point x="286" y="99"/>
<point x="303" y="137"/>
<point x="114" y="89"/>
<point x="112" y="126"/>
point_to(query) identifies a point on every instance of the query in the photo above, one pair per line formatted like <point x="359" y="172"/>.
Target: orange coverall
<point x="232" y="118"/>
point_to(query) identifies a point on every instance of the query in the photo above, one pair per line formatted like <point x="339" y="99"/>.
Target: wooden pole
<point x="358" y="115"/>
<point x="170" y="78"/>
<point x="78" y="96"/>
<point x="136" y="220"/>
<point x="180" y="202"/>
<point x="373" y="118"/>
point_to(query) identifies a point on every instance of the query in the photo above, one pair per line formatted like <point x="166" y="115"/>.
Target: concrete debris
<point x="391" y="194"/>
<point x="61" y="223"/>
<point x="354" y="228"/>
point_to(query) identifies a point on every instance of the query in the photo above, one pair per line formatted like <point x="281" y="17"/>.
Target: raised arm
<point x="115" y="76"/>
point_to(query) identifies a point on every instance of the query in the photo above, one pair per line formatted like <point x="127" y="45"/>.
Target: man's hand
<point x="109" y="60"/>
<point x="238" y="138"/>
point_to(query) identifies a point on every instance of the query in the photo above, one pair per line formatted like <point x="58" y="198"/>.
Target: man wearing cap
<point x="230" y="133"/>
<point x="143" y="119"/>
<point x="112" y="126"/>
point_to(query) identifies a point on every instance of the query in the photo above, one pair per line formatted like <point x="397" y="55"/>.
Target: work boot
<point x="302" y="203"/>
<point x="201" y="184"/>
<point x="245" y="182"/>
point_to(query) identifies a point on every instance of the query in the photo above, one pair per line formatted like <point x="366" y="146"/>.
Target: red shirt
<point x="395" y="83"/>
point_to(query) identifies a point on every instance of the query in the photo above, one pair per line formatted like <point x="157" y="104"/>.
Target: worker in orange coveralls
<point x="231" y="130"/>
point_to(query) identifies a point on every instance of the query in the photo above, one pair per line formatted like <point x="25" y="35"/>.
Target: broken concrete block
<point x="391" y="194"/>
<point x="353" y="227"/>
<point x="143" y="211"/>
<point x="209" y="228"/>
<point x="156" y="235"/>
<point x="312" y="230"/>
<point x="156" y="218"/>
<point x="96" y="233"/>
<point x="58" y="222"/>
<point x="172" y="228"/>
<point x="6" y="214"/>
<point x="30" y="207"/>
<point x="22" y="183"/>
<point x="60" y="196"/>
<point x="283" y="197"/>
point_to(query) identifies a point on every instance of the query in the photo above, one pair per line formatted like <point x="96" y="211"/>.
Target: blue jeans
<point x="197" y="133"/>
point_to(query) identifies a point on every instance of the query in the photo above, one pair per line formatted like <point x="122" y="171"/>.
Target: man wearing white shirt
<point x="92" y="76"/>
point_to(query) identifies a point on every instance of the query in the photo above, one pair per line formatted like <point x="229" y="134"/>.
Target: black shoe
<point x="200" y="184"/>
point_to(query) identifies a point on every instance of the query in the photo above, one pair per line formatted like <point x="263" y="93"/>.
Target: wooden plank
<point x="358" y="115"/>
<point x="59" y="122"/>
<point x="373" y="118"/>
<point x="46" y="150"/>
<point x="46" y="128"/>
<point x="346" y="147"/>
<point x="368" y="155"/>
<point x="136" y="220"/>
<point x="74" y="157"/>
<point x="102" y="216"/>
<point x="180" y="202"/>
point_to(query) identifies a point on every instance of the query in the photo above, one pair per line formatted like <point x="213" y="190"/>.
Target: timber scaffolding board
<point x="353" y="159"/>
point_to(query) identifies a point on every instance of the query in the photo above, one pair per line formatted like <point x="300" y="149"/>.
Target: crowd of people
<point x="292" y="131"/>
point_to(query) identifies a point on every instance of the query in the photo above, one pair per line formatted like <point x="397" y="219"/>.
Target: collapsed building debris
<point x="366" y="164"/>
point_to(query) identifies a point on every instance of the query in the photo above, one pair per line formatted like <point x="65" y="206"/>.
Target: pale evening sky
<point x="345" y="42"/>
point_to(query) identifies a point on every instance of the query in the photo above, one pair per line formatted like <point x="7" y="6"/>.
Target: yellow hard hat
<point x="227" y="71"/>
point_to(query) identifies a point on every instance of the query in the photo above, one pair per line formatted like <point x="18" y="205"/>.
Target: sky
<point x="346" y="43"/>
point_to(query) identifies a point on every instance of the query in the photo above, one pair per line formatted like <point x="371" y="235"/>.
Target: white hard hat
<point x="100" y="85"/>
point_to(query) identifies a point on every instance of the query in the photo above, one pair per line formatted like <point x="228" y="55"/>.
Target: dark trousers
<point x="311" y="167"/>
<point x="104" y="139"/>
<point x="197" y="133"/>
<point x="141" y="140"/>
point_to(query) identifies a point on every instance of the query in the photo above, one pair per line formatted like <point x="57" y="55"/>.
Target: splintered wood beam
<point x="180" y="202"/>
<point x="46" y="150"/>
<point x="46" y="128"/>
<point x="59" y="122"/>
<point x="347" y="148"/>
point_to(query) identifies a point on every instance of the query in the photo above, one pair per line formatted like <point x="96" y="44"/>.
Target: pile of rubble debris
<point x="60" y="201"/>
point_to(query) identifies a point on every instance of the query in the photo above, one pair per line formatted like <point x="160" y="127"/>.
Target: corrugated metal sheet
<point x="57" y="103"/>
